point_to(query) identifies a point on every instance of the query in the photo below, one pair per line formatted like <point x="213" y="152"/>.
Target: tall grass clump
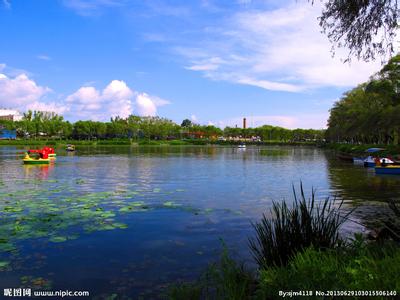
<point x="308" y="223"/>
<point x="392" y="223"/>
<point x="225" y="280"/>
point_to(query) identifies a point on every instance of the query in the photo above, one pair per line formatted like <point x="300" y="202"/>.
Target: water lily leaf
<point x="137" y="203"/>
<point x="171" y="204"/>
<point x="107" y="214"/>
<point x="126" y="209"/>
<point x="120" y="225"/>
<point x="4" y="264"/>
<point x="12" y="209"/>
<point x="106" y="227"/>
<point x="79" y="181"/>
<point x="58" y="239"/>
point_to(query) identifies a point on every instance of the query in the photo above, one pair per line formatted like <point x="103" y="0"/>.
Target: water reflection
<point x="360" y="187"/>
<point x="38" y="171"/>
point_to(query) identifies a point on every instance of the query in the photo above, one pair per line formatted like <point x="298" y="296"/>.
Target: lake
<point x="128" y="221"/>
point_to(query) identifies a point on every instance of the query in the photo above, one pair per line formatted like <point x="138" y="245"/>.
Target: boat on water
<point x="370" y="161"/>
<point x="390" y="169"/>
<point x="70" y="147"/>
<point x="38" y="157"/>
<point x="50" y="152"/>
<point x="242" y="146"/>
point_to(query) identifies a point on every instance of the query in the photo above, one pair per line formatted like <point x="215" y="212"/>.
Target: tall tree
<point x="366" y="27"/>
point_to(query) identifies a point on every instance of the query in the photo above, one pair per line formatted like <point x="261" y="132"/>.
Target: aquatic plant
<point x="225" y="279"/>
<point x="292" y="229"/>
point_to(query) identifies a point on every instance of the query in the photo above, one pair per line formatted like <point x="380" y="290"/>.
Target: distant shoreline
<point x="143" y="142"/>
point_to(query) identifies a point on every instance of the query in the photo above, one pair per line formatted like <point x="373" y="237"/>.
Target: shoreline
<point x="352" y="150"/>
<point x="137" y="143"/>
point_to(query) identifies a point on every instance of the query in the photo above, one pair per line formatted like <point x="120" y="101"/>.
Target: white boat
<point x="242" y="146"/>
<point x="370" y="161"/>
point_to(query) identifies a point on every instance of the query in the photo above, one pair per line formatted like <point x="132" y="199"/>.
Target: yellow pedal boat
<point x="35" y="161"/>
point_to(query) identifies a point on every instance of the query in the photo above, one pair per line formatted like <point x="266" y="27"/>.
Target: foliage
<point x="355" y="268"/>
<point x="186" y="123"/>
<point x="184" y="291"/>
<point x="229" y="279"/>
<point x="43" y="125"/>
<point x="276" y="133"/>
<point x="293" y="229"/>
<point x="369" y="113"/>
<point x="223" y="280"/>
<point x="366" y="28"/>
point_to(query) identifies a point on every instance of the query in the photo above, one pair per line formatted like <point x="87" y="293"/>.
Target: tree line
<point x="370" y="112"/>
<point x="39" y="125"/>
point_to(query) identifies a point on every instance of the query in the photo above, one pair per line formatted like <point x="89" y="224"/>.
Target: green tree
<point x="186" y="123"/>
<point x="365" y="27"/>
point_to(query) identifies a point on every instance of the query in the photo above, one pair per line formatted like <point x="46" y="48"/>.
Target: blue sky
<point x="212" y="61"/>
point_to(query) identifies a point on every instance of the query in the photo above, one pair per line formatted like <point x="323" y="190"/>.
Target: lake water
<point x="130" y="220"/>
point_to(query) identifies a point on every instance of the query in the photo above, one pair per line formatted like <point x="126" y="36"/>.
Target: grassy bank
<point x="359" y="150"/>
<point x="143" y="142"/>
<point x="299" y="249"/>
<point x="358" y="267"/>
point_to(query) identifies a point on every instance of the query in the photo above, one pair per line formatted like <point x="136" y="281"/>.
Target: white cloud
<point x="91" y="7"/>
<point x="145" y="106"/>
<point x="89" y="103"/>
<point x="19" y="91"/>
<point x="281" y="49"/>
<point x="270" y="85"/>
<point x="7" y="4"/>
<point x="85" y="99"/>
<point x="23" y="93"/>
<point x="59" y="109"/>
<point x="116" y="99"/>
<point x="43" y="57"/>
<point x="208" y="64"/>
<point x="194" y="119"/>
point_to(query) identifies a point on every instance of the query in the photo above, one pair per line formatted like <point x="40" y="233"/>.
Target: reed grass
<point x="291" y="229"/>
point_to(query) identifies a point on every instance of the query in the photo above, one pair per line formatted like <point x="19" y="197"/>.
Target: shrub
<point x="293" y="229"/>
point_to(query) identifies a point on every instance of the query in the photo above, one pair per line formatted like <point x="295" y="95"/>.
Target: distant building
<point x="244" y="123"/>
<point x="10" y="115"/>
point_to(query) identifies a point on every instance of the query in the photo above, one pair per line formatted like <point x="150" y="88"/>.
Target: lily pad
<point x="79" y="181"/>
<point x="58" y="239"/>
<point x="4" y="264"/>
<point x="171" y="204"/>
